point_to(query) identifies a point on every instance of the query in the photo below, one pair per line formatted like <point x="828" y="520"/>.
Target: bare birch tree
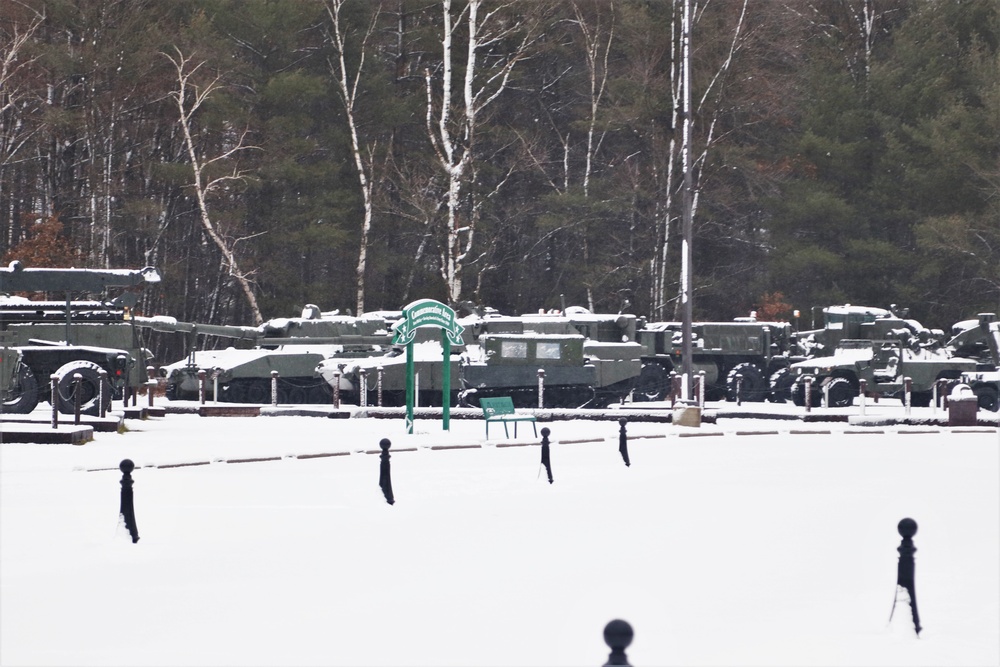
<point x="17" y="102"/>
<point x="189" y="97"/>
<point x="453" y="119"/>
<point x="347" y="84"/>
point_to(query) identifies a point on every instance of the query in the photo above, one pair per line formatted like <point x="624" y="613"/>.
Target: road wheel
<point x="90" y="388"/>
<point x="753" y="387"/>
<point x="23" y="395"/>
<point x="987" y="396"/>
<point x="258" y="391"/>
<point x="653" y="383"/>
<point x="841" y="393"/>
<point x="781" y="385"/>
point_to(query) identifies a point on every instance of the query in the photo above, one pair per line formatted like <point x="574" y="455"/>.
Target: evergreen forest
<point x="519" y="154"/>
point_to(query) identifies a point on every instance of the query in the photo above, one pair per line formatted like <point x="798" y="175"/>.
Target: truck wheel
<point x="90" y="388"/>
<point x="653" y="383"/>
<point x="799" y="394"/>
<point x="987" y="396"/>
<point x="841" y="393"/>
<point x="23" y="395"/>
<point x="781" y="385"/>
<point x="752" y="387"/>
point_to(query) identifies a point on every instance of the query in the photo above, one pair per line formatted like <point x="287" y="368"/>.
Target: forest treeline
<point x="521" y="154"/>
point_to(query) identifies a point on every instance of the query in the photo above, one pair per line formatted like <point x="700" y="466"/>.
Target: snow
<point x="745" y="542"/>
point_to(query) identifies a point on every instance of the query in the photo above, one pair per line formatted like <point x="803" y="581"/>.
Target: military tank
<point x="40" y="339"/>
<point x="588" y="360"/>
<point x="291" y="346"/>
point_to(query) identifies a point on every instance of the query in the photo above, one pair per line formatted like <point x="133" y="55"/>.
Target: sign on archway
<point x="429" y="313"/>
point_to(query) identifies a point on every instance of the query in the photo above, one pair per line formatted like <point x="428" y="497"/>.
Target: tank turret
<point x="292" y="346"/>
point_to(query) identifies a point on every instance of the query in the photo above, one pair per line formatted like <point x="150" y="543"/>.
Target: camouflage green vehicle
<point x="39" y="339"/>
<point x="587" y="359"/>
<point x="291" y="346"/>
<point x="735" y="356"/>
<point x="893" y="349"/>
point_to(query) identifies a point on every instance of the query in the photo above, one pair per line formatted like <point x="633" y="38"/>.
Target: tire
<point x="782" y="381"/>
<point x="90" y="388"/>
<point x="653" y="383"/>
<point x="799" y="393"/>
<point x="841" y="393"/>
<point x="753" y="386"/>
<point x="23" y="395"/>
<point x="987" y="397"/>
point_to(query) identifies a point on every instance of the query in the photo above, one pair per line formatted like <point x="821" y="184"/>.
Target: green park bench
<point x="501" y="409"/>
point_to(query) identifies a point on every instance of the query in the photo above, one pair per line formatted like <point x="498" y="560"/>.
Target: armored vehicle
<point x="892" y="349"/>
<point x="980" y="339"/>
<point x="291" y="346"/>
<point x="39" y="339"/>
<point x="586" y="360"/>
<point x="734" y="355"/>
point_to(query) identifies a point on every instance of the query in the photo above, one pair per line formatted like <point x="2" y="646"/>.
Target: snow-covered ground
<point x="732" y="548"/>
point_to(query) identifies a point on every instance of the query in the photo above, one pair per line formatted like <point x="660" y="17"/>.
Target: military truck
<point x="980" y="340"/>
<point x="889" y="350"/>
<point x="291" y="346"/>
<point x="39" y="339"/>
<point x="588" y="360"/>
<point x="734" y="355"/>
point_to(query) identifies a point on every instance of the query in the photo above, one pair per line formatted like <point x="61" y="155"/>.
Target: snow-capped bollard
<point x="126" y="511"/>
<point x="384" y="479"/>
<point x="541" y="388"/>
<point x="378" y="384"/>
<point x="809" y="386"/>
<point x="362" y="388"/>
<point x="77" y="396"/>
<point x="336" y="390"/>
<point x="904" y="574"/>
<point x="54" y="400"/>
<point x="907" y="394"/>
<point x="274" y="388"/>
<point x="862" y="395"/>
<point x="216" y="372"/>
<point x="546" y="460"/>
<point x="150" y="383"/>
<point x="617" y="635"/>
<point x="102" y="379"/>
<point x="739" y="389"/>
<point x="826" y="395"/>
<point x="623" y="441"/>
<point x="201" y="386"/>
<point x="701" y="389"/>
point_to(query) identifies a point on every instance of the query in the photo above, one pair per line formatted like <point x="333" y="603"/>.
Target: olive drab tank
<point x="39" y="339"/>
<point x="587" y="360"/>
<point x="291" y="346"/>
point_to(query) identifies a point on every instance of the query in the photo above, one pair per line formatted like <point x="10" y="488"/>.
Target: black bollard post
<point x="546" y="461"/>
<point x="617" y="635"/>
<point x="127" y="510"/>
<point x="384" y="479"/>
<point x="904" y="576"/>
<point x="623" y="441"/>
<point x="77" y="397"/>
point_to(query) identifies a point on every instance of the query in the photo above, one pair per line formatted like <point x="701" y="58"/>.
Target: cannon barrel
<point x="171" y="325"/>
<point x="16" y="278"/>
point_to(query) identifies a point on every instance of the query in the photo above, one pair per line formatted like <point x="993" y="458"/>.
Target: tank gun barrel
<point x="170" y="325"/>
<point x="16" y="278"/>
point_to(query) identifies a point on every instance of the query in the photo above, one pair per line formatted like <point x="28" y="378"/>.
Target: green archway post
<point x="429" y="313"/>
